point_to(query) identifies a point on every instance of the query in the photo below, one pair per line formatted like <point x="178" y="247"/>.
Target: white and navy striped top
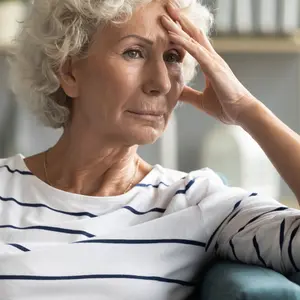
<point x="146" y="244"/>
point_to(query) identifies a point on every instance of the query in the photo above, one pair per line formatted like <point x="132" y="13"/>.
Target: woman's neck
<point x="89" y="170"/>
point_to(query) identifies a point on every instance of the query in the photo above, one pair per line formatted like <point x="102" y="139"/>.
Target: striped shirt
<point x="146" y="244"/>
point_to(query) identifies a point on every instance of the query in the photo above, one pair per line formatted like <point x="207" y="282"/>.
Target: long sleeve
<point x="250" y="228"/>
<point x="260" y="232"/>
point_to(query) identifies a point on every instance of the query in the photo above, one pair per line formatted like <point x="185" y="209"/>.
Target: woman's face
<point x="129" y="85"/>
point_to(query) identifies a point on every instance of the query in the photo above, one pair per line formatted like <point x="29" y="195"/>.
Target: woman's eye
<point x="175" y="58"/>
<point x="170" y="57"/>
<point x="132" y="53"/>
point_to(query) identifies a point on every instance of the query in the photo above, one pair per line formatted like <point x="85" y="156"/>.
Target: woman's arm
<point x="279" y="142"/>
<point x="245" y="226"/>
<point x="261" y="231"/>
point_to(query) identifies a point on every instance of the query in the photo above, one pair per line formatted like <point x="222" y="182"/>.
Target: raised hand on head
<point x="224" y="96"/>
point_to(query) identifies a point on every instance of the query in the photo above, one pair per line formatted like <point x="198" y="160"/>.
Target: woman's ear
<point x="67" y="78"/>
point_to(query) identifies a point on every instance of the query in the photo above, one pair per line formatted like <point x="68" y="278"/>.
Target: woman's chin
<point x="144" y="136"/>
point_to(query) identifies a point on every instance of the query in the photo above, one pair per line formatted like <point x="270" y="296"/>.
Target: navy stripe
<point x="16" y="171"/>
<point x="20" y="247"/>
<point x="233" y="250"/>
<point x="237" y="204"/>
<point x="281" y="236"/>
<point x="77" y="214"/>
<point x="257" y="217"/>
<point x="290" y="249"/>
<point x="234" y="216"/>
<point x="253" y="194"/>
<point x="95" y="276"/>
<point x="160" y="210"/>
<point x="256" y="246"/>
<point x="48" y="228"/>
<point x="186" y="188"/>
<point x="156" y="241"/>
<point x="214" y="233"/>
<point x="152" y="185"/>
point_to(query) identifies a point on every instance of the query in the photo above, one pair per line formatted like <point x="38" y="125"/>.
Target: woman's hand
<point x="224" y="97"/>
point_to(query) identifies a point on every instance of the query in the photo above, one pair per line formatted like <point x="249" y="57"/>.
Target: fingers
<point x="207" y="82"/>
<point x="188" y="27"/>
<point x="203" y="39"/>
<point x="200" y="53"/>
<point x="174" y="10"/>
<point x="199" y="100"/>
<point x="177" y="16"/>
<point x="189" y="95"/>
<point x="171" y="26"/>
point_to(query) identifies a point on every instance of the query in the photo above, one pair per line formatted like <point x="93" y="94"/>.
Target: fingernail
<point x="175" y="6"/>
<point x="167" y="18"/>
<point x="176" y="3"/>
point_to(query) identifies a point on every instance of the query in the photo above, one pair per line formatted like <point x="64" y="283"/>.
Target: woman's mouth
<point x="148" y="115"/>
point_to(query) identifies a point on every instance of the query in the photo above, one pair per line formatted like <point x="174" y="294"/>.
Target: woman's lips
<point x="152" y="116"/>
<point x="148" y="113"/>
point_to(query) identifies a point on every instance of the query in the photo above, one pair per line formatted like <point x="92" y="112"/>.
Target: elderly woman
<point x="89" y="218"/>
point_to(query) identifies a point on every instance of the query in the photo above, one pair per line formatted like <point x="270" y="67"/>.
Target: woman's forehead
<point x="145" y="21"/>
<point x="147" y="14"/>
<point x="147" y="17"/>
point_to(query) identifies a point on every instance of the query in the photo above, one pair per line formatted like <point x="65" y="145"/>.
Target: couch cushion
<point x="229" y="281"/>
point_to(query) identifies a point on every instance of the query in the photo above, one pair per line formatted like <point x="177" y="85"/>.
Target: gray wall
<point x="7" y="108"/>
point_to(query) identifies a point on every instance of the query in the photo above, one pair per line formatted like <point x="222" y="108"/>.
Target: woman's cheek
<point x="180" y="83"/>
<point x="176" y="73"/>
<point x="178" y="86"/>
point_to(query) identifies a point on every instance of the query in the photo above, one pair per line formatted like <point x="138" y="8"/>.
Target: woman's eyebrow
<point x="140" y="38"/>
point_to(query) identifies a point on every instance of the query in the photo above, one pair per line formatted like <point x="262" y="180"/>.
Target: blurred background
<point x="260" y="41"/>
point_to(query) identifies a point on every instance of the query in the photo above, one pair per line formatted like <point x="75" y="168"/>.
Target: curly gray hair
<point x="57" y="29"/>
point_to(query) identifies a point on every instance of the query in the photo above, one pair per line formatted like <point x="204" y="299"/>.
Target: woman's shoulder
<point x="13" y="165"/>
<point x="199" y="184"/>
<point x="195" y="175"/>
<point x="13" y="176"/>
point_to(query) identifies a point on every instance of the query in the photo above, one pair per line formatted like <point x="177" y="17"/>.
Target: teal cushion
<point x="233" y="281"/>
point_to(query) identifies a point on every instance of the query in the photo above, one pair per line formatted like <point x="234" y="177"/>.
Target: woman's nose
<point x="157" y="79"/>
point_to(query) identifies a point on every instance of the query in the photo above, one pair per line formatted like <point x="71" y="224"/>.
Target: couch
<point x="225" y="280"/>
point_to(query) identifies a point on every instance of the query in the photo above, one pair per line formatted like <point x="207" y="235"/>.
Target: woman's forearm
<point x="279" y="142"/>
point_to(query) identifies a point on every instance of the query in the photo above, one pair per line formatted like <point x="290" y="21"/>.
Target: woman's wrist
<point x="252" y="115"/>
